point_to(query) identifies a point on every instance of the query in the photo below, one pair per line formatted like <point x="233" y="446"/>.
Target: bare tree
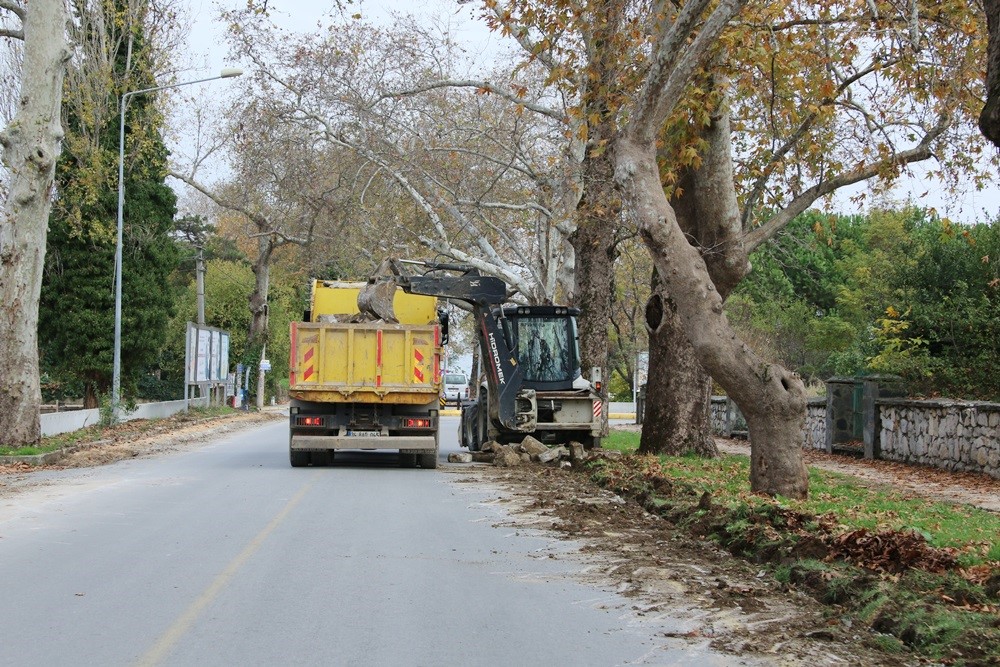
<point x="31" y="145"/>
<point x="456" y="170"/>
<point x="277" y="187"/>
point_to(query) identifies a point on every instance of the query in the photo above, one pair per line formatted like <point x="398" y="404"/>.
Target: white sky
<point x="207" y="39"/>
<point x="207" y="55"/>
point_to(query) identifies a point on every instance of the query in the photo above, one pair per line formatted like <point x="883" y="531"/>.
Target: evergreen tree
<point x="76" y="330"/>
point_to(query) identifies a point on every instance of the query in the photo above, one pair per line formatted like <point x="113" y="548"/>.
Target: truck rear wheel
<point x="298" y="459"/>
<point x="429" y="458"/>
<point x="407" y="460"/>
<point x="321" y="458"/>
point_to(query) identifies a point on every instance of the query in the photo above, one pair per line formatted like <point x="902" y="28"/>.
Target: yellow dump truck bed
<point x="340" y="299"/>
<point x="333" y="361"/>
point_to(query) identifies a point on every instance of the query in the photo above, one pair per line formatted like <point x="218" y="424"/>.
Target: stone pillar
<point x="872" y="424"/>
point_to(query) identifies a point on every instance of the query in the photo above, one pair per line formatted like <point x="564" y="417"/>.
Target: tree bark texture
<point x="31" y="146"/>
<point x="989" y="119"/>
<point x="678" y="390"/>
<point x="772" y="399"/>
<point x="599" y="211"/>
<point x="593" y="243"/>
<point x="258" y="298"/>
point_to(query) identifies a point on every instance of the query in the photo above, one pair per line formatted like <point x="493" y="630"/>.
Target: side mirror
<point x="443" y="320"/>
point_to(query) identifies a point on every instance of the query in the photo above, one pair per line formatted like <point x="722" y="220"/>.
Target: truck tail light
<point x="417" y="423"/>
<point x="308" y="421"/>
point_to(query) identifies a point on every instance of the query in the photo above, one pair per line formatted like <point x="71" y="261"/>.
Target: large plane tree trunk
<point x="678" y="408"/>
<point x="594" y="248"/>
<point x="989" y="119"/>
<point x="772" y="399"/>
<point x="31" y="145"/>
<point x="598" y="213"/>
<point x="678" y="390"/>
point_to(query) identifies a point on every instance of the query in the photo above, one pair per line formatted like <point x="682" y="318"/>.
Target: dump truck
<point x="532" y="382"/>
<point x="363" y="384"/>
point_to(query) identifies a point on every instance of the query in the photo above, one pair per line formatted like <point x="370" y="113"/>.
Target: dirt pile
<point x="711" y="598"/>
<point x="879" y="596"/>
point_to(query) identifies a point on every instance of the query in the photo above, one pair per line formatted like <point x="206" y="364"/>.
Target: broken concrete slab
<point x="552" y="454"/>
<point x="460" y="457"/>
<point x="505" y="456"/>
<point x="532" y="446"/>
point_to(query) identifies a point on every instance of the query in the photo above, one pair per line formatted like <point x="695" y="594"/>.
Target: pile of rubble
<point x="531" y="450"/>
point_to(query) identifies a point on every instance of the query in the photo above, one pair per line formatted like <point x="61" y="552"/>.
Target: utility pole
<point x="116" y="363"/>
<point x="201" y="285"/>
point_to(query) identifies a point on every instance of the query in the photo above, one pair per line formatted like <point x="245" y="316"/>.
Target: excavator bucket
<point x="375" y="298"/>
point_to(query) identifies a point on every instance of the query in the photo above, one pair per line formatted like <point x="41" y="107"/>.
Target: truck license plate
<point x="365" y="434"/>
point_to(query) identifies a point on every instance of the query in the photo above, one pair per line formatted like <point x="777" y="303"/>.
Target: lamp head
<point x="229" y="72"/>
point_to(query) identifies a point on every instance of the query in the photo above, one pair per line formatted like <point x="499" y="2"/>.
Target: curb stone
<point x="54" y="456"/>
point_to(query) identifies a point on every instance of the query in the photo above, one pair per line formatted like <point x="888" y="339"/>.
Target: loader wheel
<point x="470" y="433"/>
<point x="482" y="426"/>
<point x="298" y="459"/>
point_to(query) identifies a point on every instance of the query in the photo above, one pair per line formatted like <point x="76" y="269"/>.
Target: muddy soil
<point x="711" y="597"/>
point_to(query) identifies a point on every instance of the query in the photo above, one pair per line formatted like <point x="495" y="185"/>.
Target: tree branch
<point x="484" y="87"/>
<point x="13" y="8"/>
<point x="260" y="221"/>
<point x="757" y="190"/>
<point x="799" y="204"/>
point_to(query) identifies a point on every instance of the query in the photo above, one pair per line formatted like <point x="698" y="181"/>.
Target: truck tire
<point x="321" y="458"/>
<point x="298" y="459"/>
<point x="429" y="458"/>
<point x="407" y="460"/>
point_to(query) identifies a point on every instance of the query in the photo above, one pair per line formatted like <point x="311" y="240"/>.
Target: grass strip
<point x="923" y="574"/>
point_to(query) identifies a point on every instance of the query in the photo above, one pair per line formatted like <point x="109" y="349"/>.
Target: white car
<point x="456" y="387"/>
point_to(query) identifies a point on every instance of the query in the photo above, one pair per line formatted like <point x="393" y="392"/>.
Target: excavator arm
<point x="509" y="400"/>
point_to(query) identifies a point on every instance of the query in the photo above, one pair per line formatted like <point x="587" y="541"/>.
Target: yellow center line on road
<point x="166" y="642"/>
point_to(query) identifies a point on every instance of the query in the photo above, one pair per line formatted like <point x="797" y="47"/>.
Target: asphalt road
<point x="225" y="555"/>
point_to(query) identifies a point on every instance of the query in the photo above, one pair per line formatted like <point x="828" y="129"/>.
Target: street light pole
<point x="226" y="73"/>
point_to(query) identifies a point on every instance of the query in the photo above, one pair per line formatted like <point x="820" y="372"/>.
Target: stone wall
<point x="815" y="435"/>
<point x="953" y="435"/>
<point x="726" y="418"/>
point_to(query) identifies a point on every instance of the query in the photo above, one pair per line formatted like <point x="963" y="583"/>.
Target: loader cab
<point x="544" y="339"/>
